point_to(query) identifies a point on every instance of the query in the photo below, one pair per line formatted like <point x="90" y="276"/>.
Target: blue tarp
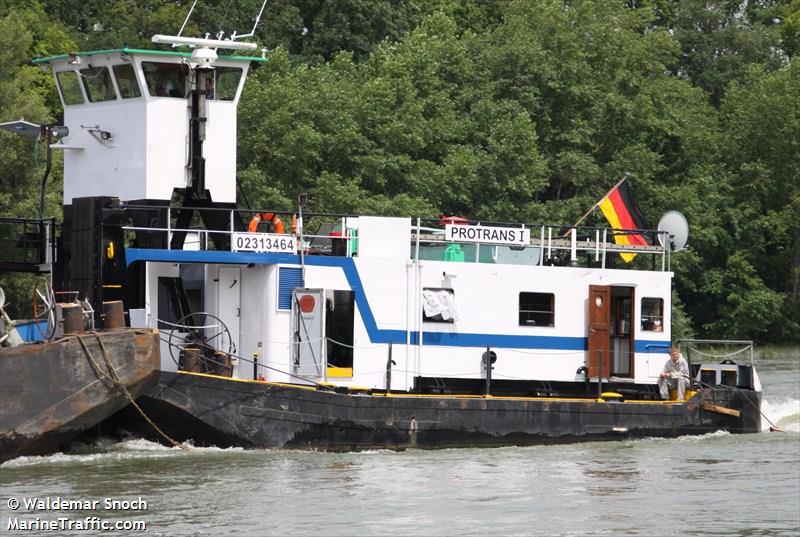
<point x="28" y="331"/>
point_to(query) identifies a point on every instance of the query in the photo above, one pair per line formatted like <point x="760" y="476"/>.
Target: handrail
<point x="551" y="240"/>
<point x="31" y="244"/>
<point x="749" y="346"/>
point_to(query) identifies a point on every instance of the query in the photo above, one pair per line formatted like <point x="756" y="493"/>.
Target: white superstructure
<point x="128" y="114"/>
<point x="439" y="303"/>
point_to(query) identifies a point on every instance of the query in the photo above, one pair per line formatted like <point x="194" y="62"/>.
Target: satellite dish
<point x="676" y="227"/>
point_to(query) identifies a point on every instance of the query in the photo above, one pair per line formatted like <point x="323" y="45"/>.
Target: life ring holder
<point x="273" y="218"/>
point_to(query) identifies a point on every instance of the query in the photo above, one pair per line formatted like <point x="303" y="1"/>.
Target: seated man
<point x="675" y="375"/>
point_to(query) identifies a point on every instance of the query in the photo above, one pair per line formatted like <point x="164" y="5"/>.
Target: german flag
<point x="621" y="211"/>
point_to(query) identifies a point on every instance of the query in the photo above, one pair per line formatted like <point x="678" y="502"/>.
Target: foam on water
<point x="785" y="413"/>
<point x="110" y="450"/>
<point x="701" y="437"/>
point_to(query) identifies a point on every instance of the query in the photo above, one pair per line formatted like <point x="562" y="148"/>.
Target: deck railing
<point x="27" y="244"/>
<point x="337" y="234"/>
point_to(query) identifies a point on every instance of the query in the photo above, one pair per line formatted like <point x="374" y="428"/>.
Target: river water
<point x="716" y="484"/>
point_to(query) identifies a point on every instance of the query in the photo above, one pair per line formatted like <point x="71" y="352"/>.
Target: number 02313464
<point x="263" y="242"/>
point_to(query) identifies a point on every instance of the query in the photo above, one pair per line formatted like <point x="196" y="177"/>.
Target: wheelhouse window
<point x="653" y="314"/>
<point x="438" y="305"/>
<point x="98" y="85"/>
<point x="537" y="309"/>
<point x="165" y="79"/>
<point x="126" y="81"/>
<point x="226" y="82"/>
<point x="70" y="87"/>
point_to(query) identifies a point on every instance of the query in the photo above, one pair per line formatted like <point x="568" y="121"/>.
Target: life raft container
<point x="266" y="217"/>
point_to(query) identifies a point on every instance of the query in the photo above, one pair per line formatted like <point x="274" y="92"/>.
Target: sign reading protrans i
<point x="495" y="235"/>
<point x="264" y="242"/>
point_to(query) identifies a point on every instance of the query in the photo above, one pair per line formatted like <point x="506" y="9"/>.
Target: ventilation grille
<point x="288" y="279"/>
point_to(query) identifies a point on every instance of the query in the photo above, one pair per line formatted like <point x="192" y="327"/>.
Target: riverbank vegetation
<point x="506" y="110"/>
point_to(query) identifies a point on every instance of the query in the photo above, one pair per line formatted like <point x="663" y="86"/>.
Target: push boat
<point x="346" y="332"/>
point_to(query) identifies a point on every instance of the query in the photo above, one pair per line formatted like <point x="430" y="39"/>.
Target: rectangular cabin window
<point x="226" y="83"/>
<point x="126" y="81"/>
<point x="70" y="87"/>
<point x="165" y="79"/>
<point x="653" y="314"/>
<point x="537" y="309"/>
<point x="98" y="85"/>
<point x="438" y="306"/>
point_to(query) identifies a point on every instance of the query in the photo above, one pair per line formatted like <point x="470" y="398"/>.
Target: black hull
<point x="52" y="392"/>
<point x="225" y="412"/>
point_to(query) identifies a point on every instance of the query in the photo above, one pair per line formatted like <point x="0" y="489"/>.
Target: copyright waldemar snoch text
<point x="59" y="514"/>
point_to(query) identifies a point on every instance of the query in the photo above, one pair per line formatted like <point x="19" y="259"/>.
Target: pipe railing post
<point x="169" y="234"/>
<point x="605" y="238"/>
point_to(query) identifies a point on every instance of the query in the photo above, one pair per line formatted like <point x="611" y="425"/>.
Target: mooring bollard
<point x="72" y="316"/>
<point x="113" y="315"/>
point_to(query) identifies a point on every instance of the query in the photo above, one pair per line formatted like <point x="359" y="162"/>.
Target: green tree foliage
<point x="108" y="24"/>
<point x="720" y="38"/>
<point x="762" y="123"/>
<point x="26" y="92"/>
<point x="507" y="110"/>
<point x="790" y="28"/>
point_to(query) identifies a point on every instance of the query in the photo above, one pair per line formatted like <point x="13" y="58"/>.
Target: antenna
<point x="191" y="9"/>
<point x="255" y="25"/>
<point x="234" y="37"/>
<point x="675" y="229"/>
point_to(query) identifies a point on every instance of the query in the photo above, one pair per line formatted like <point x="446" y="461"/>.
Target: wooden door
<point x="599" y="331"/>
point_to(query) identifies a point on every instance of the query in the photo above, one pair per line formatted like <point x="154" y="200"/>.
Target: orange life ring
<point x="266" y="217"/>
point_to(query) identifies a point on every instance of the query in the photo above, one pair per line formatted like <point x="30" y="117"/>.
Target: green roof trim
<point x="142" y="51"/>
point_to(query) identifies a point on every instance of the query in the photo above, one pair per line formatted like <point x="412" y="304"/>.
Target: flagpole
<point x="613" y="188"/>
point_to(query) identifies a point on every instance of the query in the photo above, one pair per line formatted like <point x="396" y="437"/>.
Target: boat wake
<point x="785" y="413"/>
<point x="701" y="437"/>
<point x="114" y="450"/>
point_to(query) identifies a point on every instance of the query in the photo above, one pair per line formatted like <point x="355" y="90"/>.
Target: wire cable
<point x="243" y="359"/>
<point x="727" y="355"/>
<point x="746" y="398"/>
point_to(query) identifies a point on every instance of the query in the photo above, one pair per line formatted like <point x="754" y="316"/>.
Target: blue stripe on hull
<point x="449" y="339"/>
<point x="641" y="345"/>
<point x="377" y="335"/>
